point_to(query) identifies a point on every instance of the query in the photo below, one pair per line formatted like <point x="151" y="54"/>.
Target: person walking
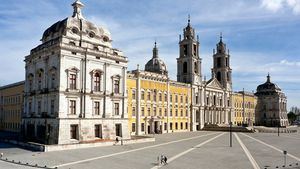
<point x="165" y="160"/>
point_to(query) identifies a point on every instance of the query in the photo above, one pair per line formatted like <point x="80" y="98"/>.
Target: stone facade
<point x="271" y="105"/>
<point x="211" y="100"/>
<point x="75" y="87"/>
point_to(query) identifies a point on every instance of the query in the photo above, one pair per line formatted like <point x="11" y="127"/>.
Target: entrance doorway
<point x="119" y="130"/>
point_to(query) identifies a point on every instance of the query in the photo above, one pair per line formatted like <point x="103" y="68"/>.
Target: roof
<point x="12" y="85"/>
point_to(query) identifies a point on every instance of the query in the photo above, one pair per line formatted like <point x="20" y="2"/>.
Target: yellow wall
<point x="250" y="102"/>
<point x="11" y="107"/>
<point x="148" y="85"/>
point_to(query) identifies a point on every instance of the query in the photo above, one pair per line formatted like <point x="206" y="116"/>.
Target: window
<point x="171" y="97"/>
<point x="181" y="99"/>
<point x="74" y="131"/>
<point x="143" y="95"/>
<point x="30" y="79"/>
<point x="176" y="126"/>
<point x="160" y="97"/>
<point x="176" y="112"/>
<point x="185" y="49"/>
<point x="218" y="62"/>
<point x="98" y="130"/>
<point x="181" y="125"/>
<point x="117" y="86"/>
<point x="160" y="112"/>
<point x="181" y="113"/>
<point x="52" y="107"/>
<point x="73" y="81"/>
<point x="176" y="98"/>
<point x="133" y="95"/>
<point x="186" y="125"/>
<point x="185" y="67"/>
<point x="72" y="107"/>
<point x="165" y="126"/>
<point x="117" y="109"/>
<point x="171" y="111"/>
<point x="196" y="67"/>
<point x="133" y="127"/>
<point x="53" y="80"/>
<point x="40" y="81"/>
<point x="149" y="96"/>
<point x="187" y="113"/>
<point x="154" y="111"/>
<point x="97" y="82"/>
<point x="97" y="108"/>
<point x="143" y="111"/>
<point x="39" y="107"/>
<point x="143" y="127"/>
<point x="133" y="111"/>
<point x="29" y="107"/>
<point x="166" y="97"/>
<point x="149" y="111"/>
<point x="166" y="113"/>
<point x="171" y="126"/>
<point x="215" y="100"/>
<point x="154" y="95"/>
<point x="195" y="50"/>
<point x="219" y="76"/>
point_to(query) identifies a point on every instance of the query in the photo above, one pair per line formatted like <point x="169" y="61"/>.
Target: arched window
<point x="195" y="67"/>
<point x="40" y="78"/>
<point x="97" y="82"/>
<point x="185" y="67"/>
<point x="219" y="76"/>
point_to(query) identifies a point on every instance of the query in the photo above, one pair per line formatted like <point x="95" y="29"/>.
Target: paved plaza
<point x="188" y="150"/>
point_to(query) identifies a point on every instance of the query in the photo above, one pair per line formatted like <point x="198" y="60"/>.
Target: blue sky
<point x="262" y="35"/>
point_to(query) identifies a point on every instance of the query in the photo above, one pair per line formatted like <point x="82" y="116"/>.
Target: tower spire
<point x="189" y="20"/>
<point x="268" y="77"/>
<point x="221" y="36"/>
<point x="77" y="5"/>
<point x="155" y="50"/>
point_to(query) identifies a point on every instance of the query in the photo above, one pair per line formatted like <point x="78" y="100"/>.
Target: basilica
<point x="77" y="89"/>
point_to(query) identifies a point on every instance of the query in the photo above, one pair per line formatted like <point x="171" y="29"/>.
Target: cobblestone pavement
<point x="188" y="150"/>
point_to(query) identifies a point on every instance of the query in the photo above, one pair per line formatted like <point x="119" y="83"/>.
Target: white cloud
<point x="276" y="5"/>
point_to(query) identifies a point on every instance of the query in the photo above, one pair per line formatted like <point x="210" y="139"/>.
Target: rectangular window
<point x="74" y="131"/>
<point x="154" y="111"/>
<point x="39" y="107"/>
<point x="72" y="81"/>
<point x="72" y="107"/>
<point x="143" y="95"/>
<point x="143" y="111"/>
<point x="171" y="126"/>
<point x="154" y="95"/>
<point x="133" y="95"/>
<point x="97" y="108"/>
<point x="171" y="97"/>
<point x="171" y="111"/>
<point x="149" y="96"/>
<point x="186" y="125"/>
<point x="116" y="86"/>
<point x="117" y="109"/>
<point x="133" y="127"/>
<point x="181" y="99"/>
<point x="195" y="50"/>
<point x="166" y="97"/>
<point x="160" y="112"/>
<point x="176" y="112"/>
<point x="97" y="82"/>
<point x="176" y="126"/>
<point x="181" y="125"/>
<point x="166" y="113"/>
<point x="185" y="49"/>
<point x="187" y="113"/>
<point x="165" y="126"/>
<point x="160" y="97"/>
<point x="98" y="130"/>
<point x="53" y="80"/>
<point x="143" y="127"/>
<point x="29" y="107"/>
<point x="181" y="113"/>
<point x="52" y="107"/>
<point x="176" y="98"/>
<point x="149" y="111"/>
<point x="133" y="111"/>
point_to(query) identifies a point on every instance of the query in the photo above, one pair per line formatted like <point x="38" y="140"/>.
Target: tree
<point x="291" y="116"/>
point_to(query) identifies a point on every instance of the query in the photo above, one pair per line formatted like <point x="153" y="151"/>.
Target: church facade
<point x="75" y="87"/>
<point x="203" y="102"/>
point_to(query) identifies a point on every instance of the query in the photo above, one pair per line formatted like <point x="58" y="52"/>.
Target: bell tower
<point x="221" y="66"/>
<point x="189" y="62"/>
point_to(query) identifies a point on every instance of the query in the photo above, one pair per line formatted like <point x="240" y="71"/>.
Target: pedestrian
<point x="1" y="155"/>
<point x="161" y="159"/>
<point x="117" y="140"/>
<point x="165" y="160"/>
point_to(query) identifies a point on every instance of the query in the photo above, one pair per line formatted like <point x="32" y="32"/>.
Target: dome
<point x="268" y="87"/>
<point x="77" y="27"/>
<point x="156" y="65"/>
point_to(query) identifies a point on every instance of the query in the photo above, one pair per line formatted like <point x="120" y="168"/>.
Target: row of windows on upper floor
<point x="72" y="75"/>
<point x="248" y="105"/>
<point x="72" y="108"/>
<point x="9" y="100"/>
<point x="213" y="100"/>
<point x="11" y="113"/>
<point x="159" y="96"/>
<point x="275" y="106"/>
<point x="160" y="111"/>
<point x="246" y="114"/>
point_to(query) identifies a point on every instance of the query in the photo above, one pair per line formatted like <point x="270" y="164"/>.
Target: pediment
<point x="214" y="83"/>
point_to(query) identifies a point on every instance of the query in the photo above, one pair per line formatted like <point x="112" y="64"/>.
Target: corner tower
<point x="221" y="66"/>
<point x="189" y="62"/>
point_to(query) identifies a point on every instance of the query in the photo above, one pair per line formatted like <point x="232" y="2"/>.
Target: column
<point x="138" y="105"/>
